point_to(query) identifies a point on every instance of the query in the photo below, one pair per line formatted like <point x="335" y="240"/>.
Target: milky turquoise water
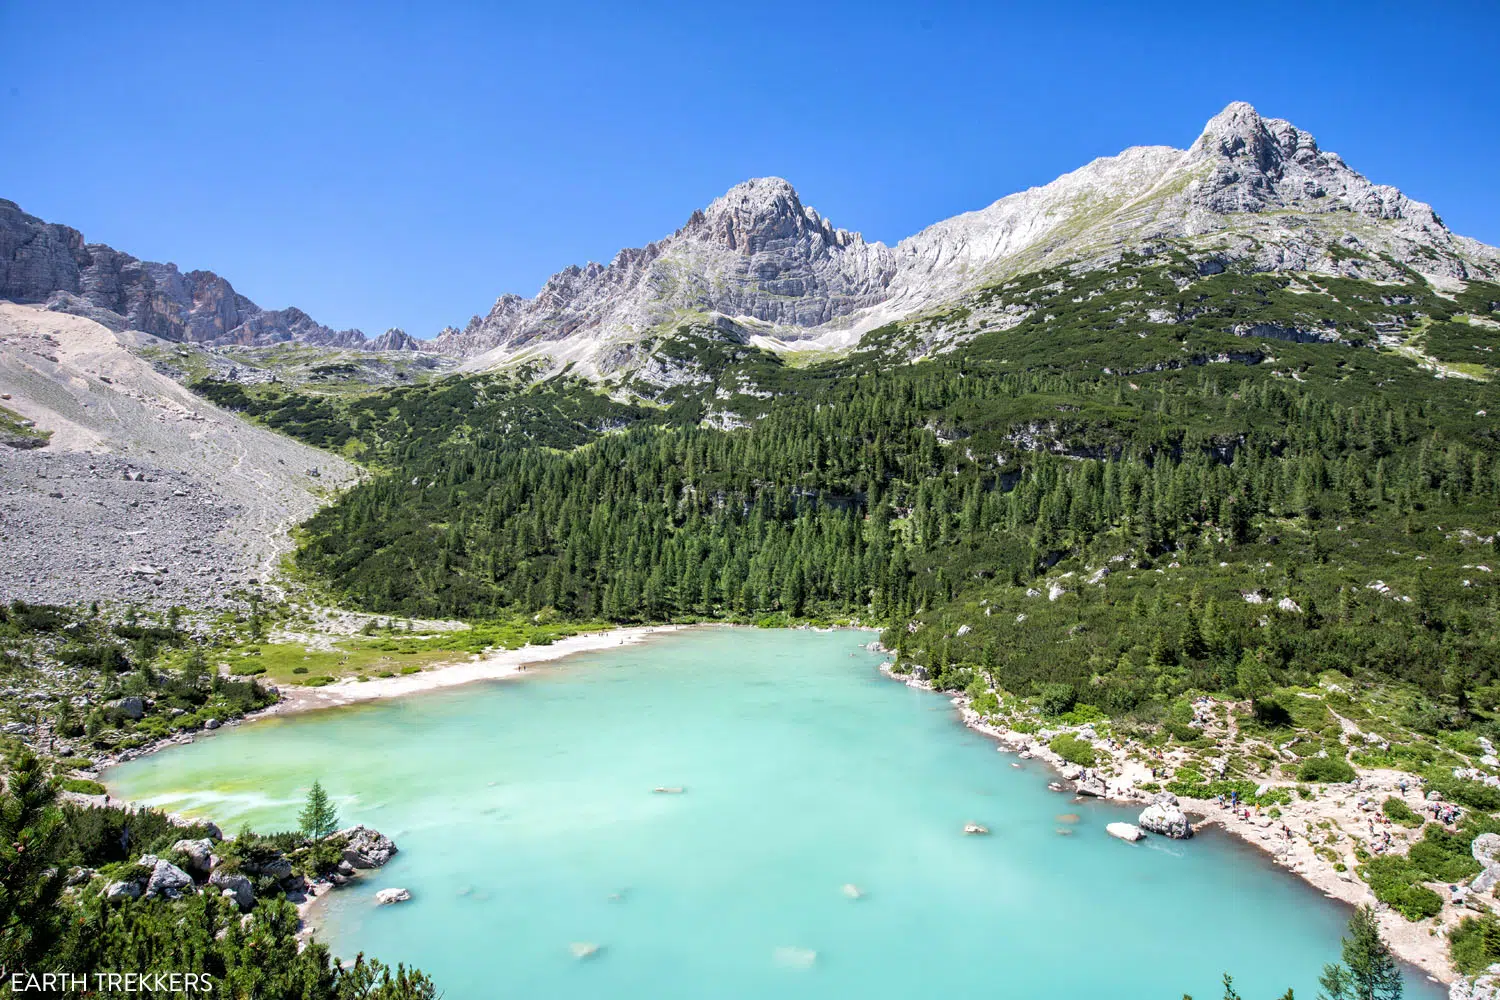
<point x="526" y="819"/>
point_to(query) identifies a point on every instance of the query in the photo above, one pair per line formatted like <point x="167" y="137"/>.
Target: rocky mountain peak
<point x="1256" y="163"/>
<point x="753" y="214"/>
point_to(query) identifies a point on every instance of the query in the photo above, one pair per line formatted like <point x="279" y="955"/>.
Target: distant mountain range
<point x="765" y="269"/>
<point x="46" y="262"/>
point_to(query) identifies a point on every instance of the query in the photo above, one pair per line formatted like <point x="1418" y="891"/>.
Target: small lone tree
<point x="1369" y="971"/>
<point x="318" y="817"/>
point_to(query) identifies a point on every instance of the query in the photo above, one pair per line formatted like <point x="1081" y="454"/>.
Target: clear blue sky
<point x="404" y="164"/>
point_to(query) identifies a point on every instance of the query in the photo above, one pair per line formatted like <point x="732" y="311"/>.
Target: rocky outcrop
<point x="1485" y="986"/>
<point x="1165" y="816"/>
<point x="364" y="847"/>
<point x="50" y="263"/>
<point x="167" y="880"/>
<point x="199" y="855"/>
<point x="123" y="890"/>
<point x="395" y="339"/>
<point x="236" y="886"/>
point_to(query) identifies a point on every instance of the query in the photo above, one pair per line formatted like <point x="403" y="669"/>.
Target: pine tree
<point x="1369" y="971"/>
<point x="318" y="818"/>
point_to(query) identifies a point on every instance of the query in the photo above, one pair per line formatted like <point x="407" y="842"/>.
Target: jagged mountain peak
<point x="759" y="211"/>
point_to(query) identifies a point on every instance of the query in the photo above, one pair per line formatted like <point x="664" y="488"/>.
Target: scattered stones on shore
<point x="1125" y="831"/>
<point x="386" y="897"/>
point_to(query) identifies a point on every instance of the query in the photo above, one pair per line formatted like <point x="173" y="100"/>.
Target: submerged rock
<point x="797" y="958"/>
<point x="852" y="891"/>
<point x="1165" y="816"/>
<point x="583" y="949"/>
<point x="393" y="895"/>
<point x="1125" y="831"/>
<point x="976" y="829"/>
<point x="668" y="789"/>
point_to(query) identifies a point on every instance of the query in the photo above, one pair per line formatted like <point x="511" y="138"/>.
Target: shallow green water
<point x="526" y="820"/>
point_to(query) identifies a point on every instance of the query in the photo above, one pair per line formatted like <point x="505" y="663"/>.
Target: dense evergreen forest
<point x="1157" y="480"/>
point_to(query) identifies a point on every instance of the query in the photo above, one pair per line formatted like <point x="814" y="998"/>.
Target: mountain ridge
<point x="44" y="262"/>
<point x="771" y="271"/>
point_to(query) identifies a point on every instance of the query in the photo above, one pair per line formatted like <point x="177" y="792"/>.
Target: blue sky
<point x="404" y="164"/>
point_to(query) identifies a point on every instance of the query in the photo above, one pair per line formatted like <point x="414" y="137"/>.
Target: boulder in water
<point x="387" y="896"/>
<point x="852" y="891"/>
<point x="583" y="949"/>
<point x="1125" y="831"/>
<point x="364" y="847"/>
<point x="1165" y="816"/>
<point x="975" y="828"/>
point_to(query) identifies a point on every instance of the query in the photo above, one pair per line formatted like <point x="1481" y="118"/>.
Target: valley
<point x="1179" y="473"/>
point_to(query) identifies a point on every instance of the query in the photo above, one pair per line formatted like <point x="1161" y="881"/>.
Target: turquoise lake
<point x="526" y="820"/>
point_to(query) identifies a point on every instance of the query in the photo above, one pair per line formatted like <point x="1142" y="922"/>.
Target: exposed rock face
<point x="199" y="854"/>
<point x="167" y="880"/>
<point x="1486" y="849"/>
<point x="1165" y="817"/>
<point x="366" y="848"/>
<point x="394" y="339"/>
<point x="122" y="890"/>
<point x="771" y="270"/>
<point x="46" y="262"/>
<point x="1485" y="986"/>
<point x="237" y="886"/>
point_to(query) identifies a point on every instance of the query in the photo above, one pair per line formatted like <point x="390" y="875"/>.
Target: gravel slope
<point x="145" y="492"/>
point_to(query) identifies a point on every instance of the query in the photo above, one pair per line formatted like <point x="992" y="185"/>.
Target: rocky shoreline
<point x="1416" y="943"/>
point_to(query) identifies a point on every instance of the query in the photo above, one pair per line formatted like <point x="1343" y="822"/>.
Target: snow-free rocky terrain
<point x="768" y="270"/>
<point x="144" y="491"/>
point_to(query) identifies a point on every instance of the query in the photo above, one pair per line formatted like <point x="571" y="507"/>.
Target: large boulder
<point x="387" y="896"/>
<point x="277" y="867"/>
<point x="1165" y="816"/>
<point x="1486" y="849"/>
<point x="131" y="707"/>
<point x="366" y="848"/>
<point x="122" y="890"/>
<point x="235" y="885"/>
<point x="168" y="880"/>
<point x="1125" y="831"/>
<point x="199" y="854"/>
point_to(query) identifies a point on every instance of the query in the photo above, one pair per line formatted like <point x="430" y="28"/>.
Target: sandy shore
<point x="1337" y="811"/>
<point x="498" y="665"/>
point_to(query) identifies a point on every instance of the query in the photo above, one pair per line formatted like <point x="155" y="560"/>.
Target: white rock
<point x="387" y="896"/>
<point x="1125" y="831"/>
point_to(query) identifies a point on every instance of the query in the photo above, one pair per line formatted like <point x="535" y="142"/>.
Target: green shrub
<point x="1394" y="881"/>
<point x="986" y="704"/>
<point x="1400" y="812"/>
<point x="81" y="786"/>
<point x="1475" y="944"/>
<point x="411" y="670"/>
<point x="1325" y="769"/>
<point x="1074" y="750"/>
<point x="1055" y="699"/>
<point x="1473" y="794"/>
